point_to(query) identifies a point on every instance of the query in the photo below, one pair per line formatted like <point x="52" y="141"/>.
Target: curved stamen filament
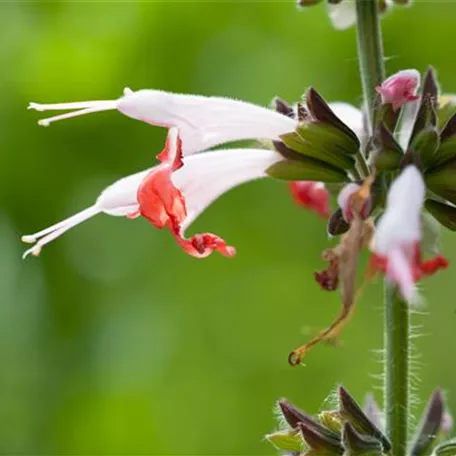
<point x="81" y="108"/>
<point x="47" y="235"/>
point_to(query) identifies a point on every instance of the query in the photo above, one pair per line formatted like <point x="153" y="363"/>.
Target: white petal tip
<point x="127" y="91"/>
<point x="36" y="106"/>
<point x="44" y="123"/>
<point x="35" y="251"/>
<point x="28" y="239"/>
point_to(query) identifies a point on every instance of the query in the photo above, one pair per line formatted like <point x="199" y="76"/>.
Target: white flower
<point x="202" y="122"/>
<point x="172" y="194"/>
<point x="343" y="14"/>
<point x="396" y="245"/>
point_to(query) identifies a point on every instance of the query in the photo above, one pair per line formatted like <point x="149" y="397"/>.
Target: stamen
<point x="35" y="251"/>
<point x="66" y="106"/>
<point x="82" y="108"/>
<point x="73" y="220"/>
<point x="49" y="234"/>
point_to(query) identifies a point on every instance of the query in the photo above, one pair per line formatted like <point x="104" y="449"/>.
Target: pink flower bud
<point x="400" y="88"/>
<point x="311" y="195"/>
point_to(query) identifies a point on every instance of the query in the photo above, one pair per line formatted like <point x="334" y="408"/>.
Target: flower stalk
<point x="370" y="53"/>
<point x="397" y="386"/>
<point x="397" y="318"/>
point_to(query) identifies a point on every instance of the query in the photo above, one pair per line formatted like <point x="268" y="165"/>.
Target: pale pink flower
<point x="396" y="245"/>
<point x="202" y="122"/>
<point x="172" y="194"/>
<point x="400" y="88"/>
<point x="343" y="14"/>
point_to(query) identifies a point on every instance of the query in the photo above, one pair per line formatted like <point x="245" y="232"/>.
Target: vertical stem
<point x="370" y="52"/>
<point x="397" y="328"/>
<point x="397" y="319"/>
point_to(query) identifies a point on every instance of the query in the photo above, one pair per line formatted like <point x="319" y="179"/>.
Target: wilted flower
<point x="396" y="244"/>
<point x="172" y="194"/>
<point x="344" y="202"/>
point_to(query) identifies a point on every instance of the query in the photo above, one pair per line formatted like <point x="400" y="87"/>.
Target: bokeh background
<point x="116" y="342"/>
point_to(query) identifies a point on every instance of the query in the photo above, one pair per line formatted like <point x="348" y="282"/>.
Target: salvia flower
<point x="400" y="88"/>
<point x="343" y="12"/>
<point x="172" y="194"/>
<point x="202" y="122"/>
<point x="396" y="245"/>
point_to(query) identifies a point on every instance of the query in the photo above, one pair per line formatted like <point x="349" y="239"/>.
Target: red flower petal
<point x="164" y="205"/>
<point x="311" y="195"/>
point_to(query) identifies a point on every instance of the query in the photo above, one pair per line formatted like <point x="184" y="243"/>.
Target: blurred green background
<point x="116" y="342"/>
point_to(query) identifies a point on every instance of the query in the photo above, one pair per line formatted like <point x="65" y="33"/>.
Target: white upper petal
<point x="343" y="14"/>
<point x="399" y="270"/>
<point x="409" y="112"/>
<point x="349" y="115"/>
<point x="400" y="225"/>
<point x="204" y="177"/>
<point x="204" y="122"/>
<point x="410" y="73"/>
<point x="120" y="198"/>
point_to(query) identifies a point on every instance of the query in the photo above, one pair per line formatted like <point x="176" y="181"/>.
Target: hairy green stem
<point x="397" y="318"/>
<point x="397" y="387"/>
<point x="370" y="53"/>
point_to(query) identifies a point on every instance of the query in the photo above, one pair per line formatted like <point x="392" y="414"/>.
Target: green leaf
<point x="329" y="135"/>
<point x="321" y="111"/>
<point x="430" y="237"/>
<point x="355" y="443"/>
<point x="446" y="449"/>
<point x="306" y="169"/>
<point x="442" y="212"/>
<point x="431" y="86"/>
<point x="331" y="420"/>
<point x="353" y="413"/>
<point x="387" y="153"/>
<point x="289" y="440"/>
<point x="445" y="152"/>
<point x="441" y="180"/>
<point x="426" y="143"/>
<point x="430" y="426"/>
<point x="426" y="115"/>
<point x="446" y="110"/>
<point x="292" y="414"/>
<point x="320" y="439"/>
<point x="322" y="142"/>
<point x="449" y="130"/>
<point x="387" y="115"/>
